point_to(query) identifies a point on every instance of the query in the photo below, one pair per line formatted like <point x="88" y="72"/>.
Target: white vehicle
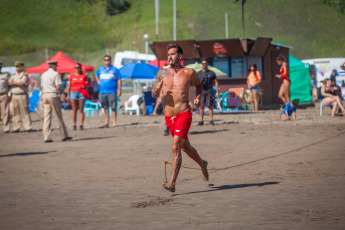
<point x="324" y="67"/>
<point x="10" y="70"/>
<point x="127" y="57"/>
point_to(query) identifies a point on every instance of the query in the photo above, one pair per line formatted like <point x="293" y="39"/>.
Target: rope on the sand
<point x="265" y="158"/>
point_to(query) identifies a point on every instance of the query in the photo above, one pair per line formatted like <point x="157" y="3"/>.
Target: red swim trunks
<point x="179" y="125"/>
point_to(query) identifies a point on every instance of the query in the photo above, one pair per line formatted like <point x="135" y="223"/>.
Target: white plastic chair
<point x="133" y="100"/>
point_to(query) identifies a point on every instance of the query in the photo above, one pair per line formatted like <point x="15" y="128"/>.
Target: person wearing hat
<point x="4" y="101"/>
<point x="19" y="83"/>
<point x="50" y="86"/>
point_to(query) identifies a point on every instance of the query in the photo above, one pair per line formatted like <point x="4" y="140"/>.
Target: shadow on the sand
<point x="91" y="138"/>
<point x="227" y="187"/>
<point x="25" y="154"/>
<point x="207" y="131"/>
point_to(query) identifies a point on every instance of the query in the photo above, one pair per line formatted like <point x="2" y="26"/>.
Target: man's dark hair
<point x="204" y="59"/>
<point x="295" y="102"/>
<point x="178" y="48"/>
<point x="51" y="65"/>
<point x="107" y="56"/>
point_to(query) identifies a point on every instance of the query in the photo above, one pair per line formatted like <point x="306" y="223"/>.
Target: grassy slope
<point x="312" y="28"/>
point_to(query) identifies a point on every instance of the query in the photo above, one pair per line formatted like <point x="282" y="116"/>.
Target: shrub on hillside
<point x="113" y="7"/>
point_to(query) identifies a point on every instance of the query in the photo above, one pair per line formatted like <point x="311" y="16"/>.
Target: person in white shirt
<point x="50" y="86"/>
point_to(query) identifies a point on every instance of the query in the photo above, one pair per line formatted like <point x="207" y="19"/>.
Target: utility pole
<point x="174" y="20"/>
<point x="226" y="26"/>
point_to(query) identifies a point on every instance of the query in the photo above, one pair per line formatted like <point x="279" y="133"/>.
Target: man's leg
<point x="210" y="111"/>
<point x="47" y="110"/>
<point x="56" y="104"/>
<point x="5" y="112"/>
<point x="202" y="109"/>
<point x="24" y="112"/>
<point x="177" y="162"/>
<point x="113" y="116"/>
<point x="16" y="120"/>
<point x="192" y="153"/>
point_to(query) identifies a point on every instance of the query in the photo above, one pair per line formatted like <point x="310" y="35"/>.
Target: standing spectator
<point x="19" y="83"/>
<point x="95" y="89"/>
<point x="50" y="86"/>
<point x="63" y="93"/>
<point x="109" y="79"/>
<point x="4" y="101"/>
<point x="284" y="91"/>
<point x="313" y="87"/>
<point x="77" y="82"/>
<point x="207" y="78"/>
<point x="253" y="81"/>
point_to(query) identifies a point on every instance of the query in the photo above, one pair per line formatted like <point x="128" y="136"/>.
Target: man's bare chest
<point x="175" y="82"/>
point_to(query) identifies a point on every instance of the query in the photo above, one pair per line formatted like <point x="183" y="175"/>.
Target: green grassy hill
<point x="312" y="28"/>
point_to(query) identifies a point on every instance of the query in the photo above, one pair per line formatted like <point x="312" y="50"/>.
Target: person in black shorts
<point x="207" y="78"/>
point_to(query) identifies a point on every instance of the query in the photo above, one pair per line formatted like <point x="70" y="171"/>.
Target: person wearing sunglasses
<point x="109" y="79"/>
<point x="75" y="88"/>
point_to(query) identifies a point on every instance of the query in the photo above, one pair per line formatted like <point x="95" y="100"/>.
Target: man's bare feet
<point x="104" y="126"/>
<point x="169" y="187"/>
<point x="204" y="171"/>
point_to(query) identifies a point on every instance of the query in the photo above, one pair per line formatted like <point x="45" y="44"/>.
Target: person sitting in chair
<point x="330" y="97"/>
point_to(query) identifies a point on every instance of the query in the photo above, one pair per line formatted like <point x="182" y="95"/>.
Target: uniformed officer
<point x="19" y="83"/>
<point x="50" y="86"/>
<point x="4" y="101"/>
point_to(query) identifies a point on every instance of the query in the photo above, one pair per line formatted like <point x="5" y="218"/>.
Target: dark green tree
<point x="113" y="7"/>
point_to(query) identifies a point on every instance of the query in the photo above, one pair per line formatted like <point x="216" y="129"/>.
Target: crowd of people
<point x="107" y="88"/>
<point x="171" y="89"/>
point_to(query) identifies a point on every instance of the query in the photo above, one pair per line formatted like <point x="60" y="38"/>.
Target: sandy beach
<point x="264" y="174"/>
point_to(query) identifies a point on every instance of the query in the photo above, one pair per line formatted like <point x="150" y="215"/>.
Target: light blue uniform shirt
<point x="108" y="79"/>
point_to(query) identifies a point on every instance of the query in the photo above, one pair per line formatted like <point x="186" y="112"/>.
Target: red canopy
<point x="162" y="63"/>
<point x="65" y="65"/>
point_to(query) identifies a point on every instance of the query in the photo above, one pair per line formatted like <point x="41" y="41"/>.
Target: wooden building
<point x="233" y="56"/>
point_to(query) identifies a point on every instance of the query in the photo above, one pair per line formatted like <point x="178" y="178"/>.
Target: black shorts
<point x="108" y="100"/>
<point x="207" y="99"/>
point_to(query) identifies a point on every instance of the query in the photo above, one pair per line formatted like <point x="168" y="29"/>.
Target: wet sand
<point x="112" y="178"/>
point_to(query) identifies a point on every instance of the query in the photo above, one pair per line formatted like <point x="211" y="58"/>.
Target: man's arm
<point x="58" y="87"/>
<point x="217" y="86"/>
<point x="158" y="84"/>
<point x="119" y="87"/>
<point x="198" y="86"/>
<point x="20" y="83"/>
<point x="97" y="79"/>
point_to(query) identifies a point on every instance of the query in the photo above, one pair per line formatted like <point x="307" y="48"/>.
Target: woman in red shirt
<point x="77" y="83"/>
<point x="284" y="91"/>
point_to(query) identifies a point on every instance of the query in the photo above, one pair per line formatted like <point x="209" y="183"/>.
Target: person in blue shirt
<point x="108" y="78"/>
<point x="289" y="112"/>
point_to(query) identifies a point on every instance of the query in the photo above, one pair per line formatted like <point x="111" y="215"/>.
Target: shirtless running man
<point x="174" y="83"/>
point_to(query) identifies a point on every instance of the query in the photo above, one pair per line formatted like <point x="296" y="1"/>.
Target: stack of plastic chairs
<point x="90" y="107"/>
